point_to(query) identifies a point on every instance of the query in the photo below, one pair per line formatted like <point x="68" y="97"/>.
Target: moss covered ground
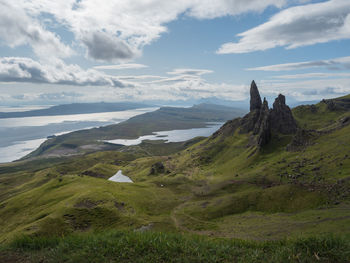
<point x="118" y="246"/>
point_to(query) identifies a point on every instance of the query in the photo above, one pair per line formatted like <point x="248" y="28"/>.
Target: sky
<point x="68" y="51"/>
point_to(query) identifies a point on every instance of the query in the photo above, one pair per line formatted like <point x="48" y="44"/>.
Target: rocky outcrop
<point x="262" y="121"/>
<point x="157" y="168"/>
<point x="281" y="117"/>
<point x="301" y="140"/>
<point x="255" y="99"/>
<point x="248" y="122"/>
<point x="339" y="104"/>
<point x="263" y="127"/>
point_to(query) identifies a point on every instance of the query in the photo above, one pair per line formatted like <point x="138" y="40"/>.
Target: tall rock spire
<point x="262" y="122"/>
<point x="255" y="99"/>
<point x="282" y="119"/>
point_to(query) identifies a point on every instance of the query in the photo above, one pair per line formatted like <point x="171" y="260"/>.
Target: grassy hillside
<point x="319" y="115"/>
<point x="222" y="186"/>
<point x="160" y="247"/>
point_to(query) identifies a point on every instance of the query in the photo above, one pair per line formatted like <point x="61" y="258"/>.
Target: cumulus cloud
<point x="117" y="30"/>
<point x="122" y="66"/>
<point x="16" y="69"/>
<point x="17" y="28"/>
<point x="312" y="75"/>
<point x="182" y="84"/>
<point x="333" y="64"/>
<point x="306" y="90"/>
<point x="295" y="27"/>
<point x="102" y="46"/>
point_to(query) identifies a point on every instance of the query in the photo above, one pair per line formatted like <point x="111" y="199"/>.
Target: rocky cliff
<point x="262" y="121"/>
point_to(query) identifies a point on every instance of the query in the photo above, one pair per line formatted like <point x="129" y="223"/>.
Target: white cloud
<point x="117" y="30"/>
<point x="295" y="27"/>
<point x="307" y="90"/>
<point x="17" y="28"/>
<point x="312" y="75"/>
<point x="140" y="77"/>
<point x="188" y="86"/>
<point x="122" y="66"/>
<point x="185" y="84"/>
<point x="189" y="71"/>
<point x="334" y="64"/>
<point x="204" y="9"/>
<point x="16" y="69"/>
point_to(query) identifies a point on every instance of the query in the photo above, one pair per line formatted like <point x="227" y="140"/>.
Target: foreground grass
<point x="119" y="246"/>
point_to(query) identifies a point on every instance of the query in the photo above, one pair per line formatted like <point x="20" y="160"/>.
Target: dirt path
<point x="174" y="218"/>
<point x="182" y="228"/>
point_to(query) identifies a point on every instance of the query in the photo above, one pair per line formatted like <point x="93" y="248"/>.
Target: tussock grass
<point x="118" y="246"/>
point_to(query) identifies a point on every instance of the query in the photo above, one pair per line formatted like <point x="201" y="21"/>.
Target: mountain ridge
<point x="76" y="108"/>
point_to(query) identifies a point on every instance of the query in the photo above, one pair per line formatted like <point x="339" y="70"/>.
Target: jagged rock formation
<point x="262" y="121"/>
<point x="255" y="99"/>
<point x="250" y="120"/>
<point x="263" y="127"/>
<point x="281" y="117"/>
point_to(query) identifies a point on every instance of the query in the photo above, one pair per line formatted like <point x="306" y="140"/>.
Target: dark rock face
<point x="282" y="119"/>
<point x="263" y="127"/>
<point x="340" y="104"/>
<point x="157" y="168"/>
<point x="262" y="121"/>
<point x="249" y="121"/>
<point x="258" y="122"/>
<point x="301" y="140"/>
<point x="255" y="99"/>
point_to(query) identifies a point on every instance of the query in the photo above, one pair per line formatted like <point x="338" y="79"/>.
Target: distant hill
<point x="164" y="119"/>
<point x="240" y="104"/>
<point x="76" y="108"/>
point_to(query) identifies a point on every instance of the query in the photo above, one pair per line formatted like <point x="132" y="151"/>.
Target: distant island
<point x="76" y="108"/>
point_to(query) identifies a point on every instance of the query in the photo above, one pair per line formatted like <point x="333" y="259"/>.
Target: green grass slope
<point x="75" y="196"/>
<point x="230" y="187"/>
<point x="221" y="186"/>
<point x="319" y="115"/>
<point x="160" y="247"/>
